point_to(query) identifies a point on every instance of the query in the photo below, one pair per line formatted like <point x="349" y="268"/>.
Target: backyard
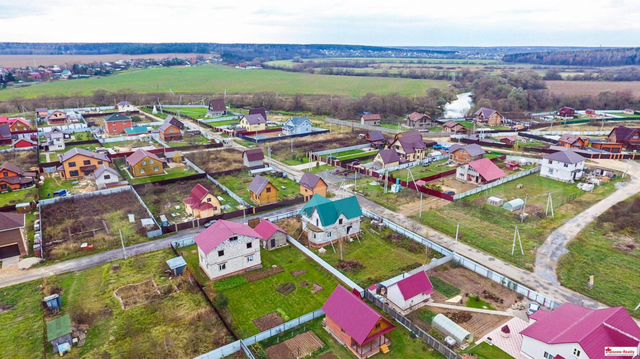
<point x="189" y="141"/>
<point x="239" y="184"/>
<point x="419" y="172"/>
<point x="496" y="236"/>
<point x="172" y="172"/>
<point x="20" y="196"/>
<point x="25" y="160"/>
<point x="22" y="334"/>
<point x="193" y="112"/>
<point x="295" y="152"/>
<point x="217" y="160"/>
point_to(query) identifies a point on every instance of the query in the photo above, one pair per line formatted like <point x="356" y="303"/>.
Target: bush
<point x="221" y="301"/>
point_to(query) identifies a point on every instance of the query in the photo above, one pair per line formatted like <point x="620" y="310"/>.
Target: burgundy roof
<point x="417" y="116"/>
<point x="389" y="156"/>
<point x="5" y="132"/>
<point x="255" y="119"/>
<point x="255" y="154"/>
<point x="570" y="139"/>
<point x="166" y="125"/>
<point x="351" y="313"/>
<point x="411" y="141"/>
<point x="217" y="105"/>
<point x="259" y="111"/>
<point x="199" y="192"/>
<point x="375" y="136"/>
<point x="487" y="169"/>
<point x="414" y="285"/>
<point x="10" y="220"/>
<point x="593" y="329"/>
<point x="372" y="117"/>
<point x="258" y="184"/>
<point x="139" y="155"/>
<point x="485" y="112"/>
<point x="451" y="124"/>
<point x="624" y="133"/>
<point x="565" y="157"/>
<point x="220" y="232"/>
<point x="266" y="229"/>
<point x="11" y="167"/>
<point x="309" y="180"/>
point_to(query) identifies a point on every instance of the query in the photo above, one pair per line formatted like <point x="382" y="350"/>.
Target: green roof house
<point x="59" y="334"/>
<point x="326" y="221"/>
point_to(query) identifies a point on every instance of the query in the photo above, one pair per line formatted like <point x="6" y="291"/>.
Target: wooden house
<point x="375" y="138"/>
<point x="171" y="130"/>
<point x="454" y="127"/>
<point x="627" y="136"/>
<point x="13" y="178"/>
<point x="57" y="118"/>
<point x="117" y="124"/>
<point x="42" y="113"/>
<point x="572" y="141"/>
<point x="13" y="237"/>
<point x="419" y="120"/>
<point x="465" y="154"/>
<point x="201" y="203"/>
<point x="78" y="163"/>
<point x="262" y="191"/>
<point x="311" y="185"/>
<point x="272" y="236"/>
<point x="143" y="163"/>
<point x="488" y="117"/>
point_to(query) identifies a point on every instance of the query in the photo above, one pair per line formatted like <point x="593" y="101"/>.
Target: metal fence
<point x="229" y="192"/>
<point x="341" y="149"/>
<point x="496" y="183"/>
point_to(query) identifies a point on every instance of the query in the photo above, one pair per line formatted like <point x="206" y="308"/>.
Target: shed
<point x="514" y="205"/>
<point x="59" y="334"/>
<point x="53" y="302"/>
<point x="177" y="265"/>
<point x="495" y="201"/>
<point x="449" y="328"/>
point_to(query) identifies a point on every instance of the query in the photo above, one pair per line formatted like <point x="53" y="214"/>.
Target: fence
<point x="536" y="137"/>
<point x="251" y="136"/>
<point x="228" y="191"/>
<point x="342" y="149"/>
<point x="485" y="143"/>
<point x="496" y="183"/>
<point x="354" y="124"/>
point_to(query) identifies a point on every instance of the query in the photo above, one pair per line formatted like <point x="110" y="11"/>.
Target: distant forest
<point x="599" y="57"/>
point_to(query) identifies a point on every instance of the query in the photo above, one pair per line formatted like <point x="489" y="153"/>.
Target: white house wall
<point x="332" y="232"/>
<point x="235" y="257"/>
<point x="395" y="296"/>
<point x="535" y="349"/>
<point x="557" y="170"/>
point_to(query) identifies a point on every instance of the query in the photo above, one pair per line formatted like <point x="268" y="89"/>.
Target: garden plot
<point x="299" y="346"/>
<point x="193" y="112"/>
<point x="168" y="199"/>
<point x="496" y="236"/>
<point x="423" y="171"/>
<point x="244" y="301"/>
<point x="137" y="119"/>
<point x="96" y="221"/>
<point x="189" y="140"/>
<point x="54" y="182"/>
<point x="239" y="184"/>
<point x="214" y="161"/>
<point x="146" y="143"/>
<point x="22" y="334"/>
<point x="174" y="170"/>
<point x="282" y="150"/>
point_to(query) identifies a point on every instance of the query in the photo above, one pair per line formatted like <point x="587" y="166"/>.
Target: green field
<point x="23" y="332"/>
<point x="216" y="79"/>
<point x="486" y="351"/>
<point x="423" y="171"/>
<point x="373" y="190"/>
<point x="353" y="154"/>
<point x="19" y="196"/>
<point x="193" y="112"/>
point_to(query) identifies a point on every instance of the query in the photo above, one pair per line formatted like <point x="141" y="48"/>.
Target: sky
<point x="366" y="22"/>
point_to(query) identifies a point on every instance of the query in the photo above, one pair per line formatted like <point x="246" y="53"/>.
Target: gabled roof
<point x="11" y="167"/>
<point x="417" y="116"/>
<point x="309" y="180"/>
<point x="169" y="122"/>
<point x="259" y="110"/>
<point x="11" y="220"/>
<point x="255" y="154"/>
<point x="266" y="229"/>
<point x="372" y="117"/>
<point x="451" y="124"/>
<point x="141" y="154"/>
<point x="352" y="314"/>
<point x="5" y="132"/>
<point x="258" y="184"/>
<point x="117" y="117"/>
<point x="255" y="119"/>
<point x="593" y="329"/>
<point x="220" y="232"/>
<point x="487" y="169"/>
<point x="81" y="151"/>
<point x="414" y="285"/>
<point x="124" y="103"/>
<point x="624" y="133"/>
<point x="217" y="105"/>
<point x="330" y="211"/>
<point x="473" y="149"/>
<point x="104" y="168"/>
<point x="298" y="121"/>
<point x="485" y="112"/>
<point x="389" y="156"/>
<point x="375" y="136"/>
<point x="570" y="139"/>
<point x="199" y="192"/>
<point x="568" y="156"/>
<point x="410" y="141"/>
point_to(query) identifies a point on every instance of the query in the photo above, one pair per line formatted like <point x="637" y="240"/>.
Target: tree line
<point x="594" y="57"/>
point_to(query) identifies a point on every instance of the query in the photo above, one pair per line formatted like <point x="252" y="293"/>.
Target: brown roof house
<point x="217" y="107"/>
<point x="13" y="240"/>
<point x="13" y="178"/>
<point x="454" y="127"/>
<point x="78" y="163"/>
<point x="259" y="111"/>
<point x="144" y="163"/>
<point x="386" y="159"/>
<point x="262" y="191"/>
<point x="171" y="129"/>
<point x="376" y="138"/>
<point x="253" y="158"/>
<point x="311" y="184"/>
<point x="627" y="136"/>
<point x="488" y="117"/>
<point x="572" y="141"/>
<point x="409" y="145"/>
<point x="465" y="154"/>
<point x="201" y="203"/>
<point x="372" y="119"/>
<point x="419" y="120"/>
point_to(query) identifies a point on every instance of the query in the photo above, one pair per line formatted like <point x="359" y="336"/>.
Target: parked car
<point x="209" y="224"/>
<point x="533" y="307"/>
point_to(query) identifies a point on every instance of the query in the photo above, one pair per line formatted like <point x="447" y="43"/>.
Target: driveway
<point x="555" y="246"/>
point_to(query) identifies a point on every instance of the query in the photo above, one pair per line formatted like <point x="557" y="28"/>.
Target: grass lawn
<point x="217" y="78"/>
<point x="379" y="255"/>
<point x="608" y="249"/>
<point x="486" y="351"/>
<point x="171" y="172"/>
<point x="81" y="136"/>
<point x="239" y="184"/>
<point x="189" y="141"/>
<point x="491" y="228"/>
<point x="424" y="171"/>
<point x="52" y="184"/>
<point x="392" y="126"/>
<point x="248" y="301"/>
<point x="476" y="302"/>
<point x="149" y="110"/>
<point x="195" y="112"/>
<point x="444" y="288"/>
<point x="403" y="345"/>
<point x="19" y="196"/>
<point x="132" y="144"/>
<point x="23" y="332"/>
<point x="177" y="322"/>
<point x="222" y="123"/>
<point x="354" y="154"/>
<point x="320" y="169"/>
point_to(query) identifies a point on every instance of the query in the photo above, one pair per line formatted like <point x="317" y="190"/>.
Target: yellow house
<point x="144" y="163"/>
<point x="202" y="203"/>
<point x="262" y="191"/>
<point x="78" y="163"/>
<point x="311" y="184"/>
<point x="252" y="123"/>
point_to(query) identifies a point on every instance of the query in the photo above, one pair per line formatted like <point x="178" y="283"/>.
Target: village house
<point x="409" y="145"/>
<point x="6" y="139"/>
<point x="262" y="191"/>
<point x="376" y="138"/>
<point x="13" y="178"/>
<point x="572" y="141"/>
<point x="372" y="119"/>
<point x="272" y="237"/>
<point x="567" y="112"/>
<point x="325" y="221"/>
<point x="627" y="136"/>
<point x="117" y="124"/>
<point x="311" y="185"/>
<point x="13" y="238"/>
<point x="488" y="117"/>
<point x="386" y="159"/>
<point x="78" y="163"/>
<point x="419" y="120"/>
<point x="572" y="331"/>
<point x="55" y="140"/>
<point x="217" y="107"/>
<point x="297" y="126"/>
<point x="106" y="176"/>
<point x="454" y="127"/>
<point x="253" y="158"/>
<point x="480" y="171"/>
<point x="565" y="166"/>
<point x="42" y="113"/>
<point x="57" y="118"/>
<point x="201" y="203"/>
<point x="465" y="154"/>
<point x="16" y="124"/>
<point x="171" y="130"/>
<point x="253" y="123"/>
<point x="125" y="106"/>
<point x="355" y="325"/>
<point x="511" y="141"/>
<point x="408" y="292"/>
<point x="143" y="163"/>
<point x="259" y="111"/>
<point x="228" y="248"/>
<point x="591" y="113"/>
<point x="24" y="143"/>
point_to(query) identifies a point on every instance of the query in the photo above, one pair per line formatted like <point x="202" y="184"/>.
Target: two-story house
<point x="297" y="126"/>
<point x="57" y="118"/>
<point x="228" y="248"/>
<point x="565" y="166"/>
<point x="325" y="221"/>
<point x="419" y="120"/>
<point x="125" y="106"/>
<point x="409" y="145"/>
<point x="311" y="184"/>
<point x="262" y="191"/>
<point x="201" y="203"/>
<point x="253" y="123"/>
<point x="13" y="178"/>
<point x="480" y="171"/>
<point x="55" y="140"/>
<point x="217" y="107"/>
<point x="465" y="154"/>
<point x="171" y="130"/>
<point x="386" y="159"/>
<point x="117" y="124"/>
<point x="488" y="117"/>
<point x="78" y="163"/>
<point x="143" y="163"/>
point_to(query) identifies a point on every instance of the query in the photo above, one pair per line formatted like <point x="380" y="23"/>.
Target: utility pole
<point x="549" y="206"/>
<point x="457" y="231"/>
<point x="524" y="206"/>
<point x="516" y="236"/>
<point x="124" y="251"/>
<point x="420" y="204"/>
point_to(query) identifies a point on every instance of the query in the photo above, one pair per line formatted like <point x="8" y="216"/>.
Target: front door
<point x="273" y="242"/>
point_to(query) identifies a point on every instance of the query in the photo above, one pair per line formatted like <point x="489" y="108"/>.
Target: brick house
<point x="488" y="117"/>
<point x="117" y="124"/>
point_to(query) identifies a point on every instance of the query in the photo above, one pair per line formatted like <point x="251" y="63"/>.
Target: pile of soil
<point x="262" y="274"/>
<point x="459" y="317"/>
<point x="286" y="288"/>
<point x="350" y="266"/>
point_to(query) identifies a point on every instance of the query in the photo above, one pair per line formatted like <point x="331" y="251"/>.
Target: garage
<point x="11" y="250"/>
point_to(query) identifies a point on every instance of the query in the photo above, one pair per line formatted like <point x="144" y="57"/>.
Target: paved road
<point x="555" y="246"/>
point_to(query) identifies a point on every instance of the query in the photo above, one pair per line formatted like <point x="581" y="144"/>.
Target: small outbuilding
<point x="272" y="236"/>
<point x="514" y="205"/>
<point x="253" y="158"/>
<point x="53" y="302"/>
<point x="177" y="265"/>
<point x="59" y="334"/>
<point x="410" y="291"/>
<point x="495" y="201"/>
<point x="449" y="328"/>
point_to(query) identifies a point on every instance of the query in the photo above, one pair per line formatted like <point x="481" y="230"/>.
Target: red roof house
<point x="479" y="171"/>
<point x="567" y="112"/>
<point x="354" y="324"/>
<point x="201" y="203"/>
<point x="410" y="291"/>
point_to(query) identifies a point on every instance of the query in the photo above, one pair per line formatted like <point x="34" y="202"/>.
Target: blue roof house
<point x="297" y="126"/>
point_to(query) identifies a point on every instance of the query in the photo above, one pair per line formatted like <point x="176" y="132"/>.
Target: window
<point x="328" y="234"/>
<point x="209" y="199"/>
<point x="151" y="162"/>
<point x="99" y="162"/>
<point x="268" y="189"/>
<point x="547" y="355"/>
<point x="222" y="266"/>
<point x="566" y="165"/>
<point x="74" y="174"/>
<point x="249" y="245"/>
<point x="5" y="173"/>
<point x="141" y="171"/>
<point x="107" y="177"/>
<point x="234" y="238"/>
<point x="72" y="164"/>
<point x="220" y="253"/>
<point x="86" y="162"/>
<point x="340" y="220"/>
<point x="156" y="169"/>
<point x="250" y="258"/>
<point x="576" y="352"/>
<point x="549" y="161"/>
<point x="317" y="223"/>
